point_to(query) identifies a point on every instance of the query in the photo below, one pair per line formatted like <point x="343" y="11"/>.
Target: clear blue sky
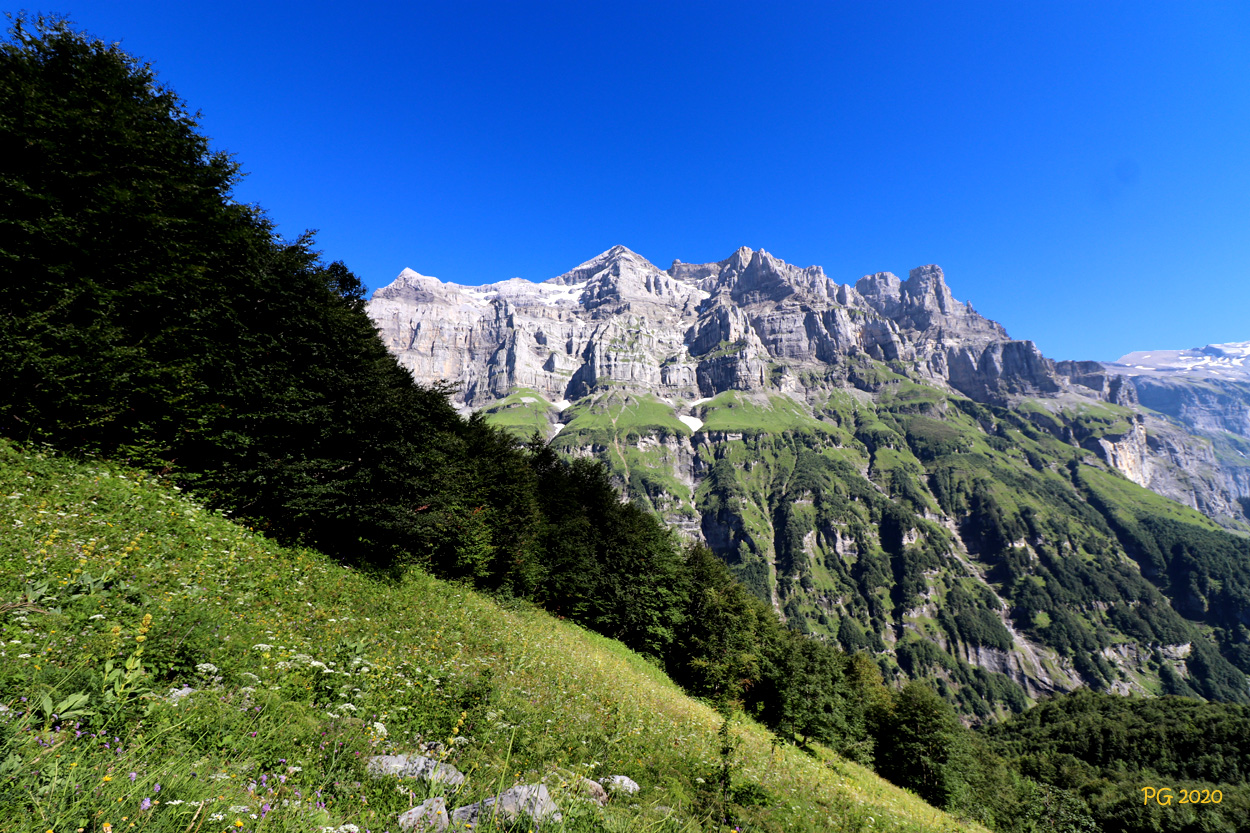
<point x="1081" y="170"/>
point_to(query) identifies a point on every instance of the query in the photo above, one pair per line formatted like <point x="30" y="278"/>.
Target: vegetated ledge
<point x="119" y="590"/>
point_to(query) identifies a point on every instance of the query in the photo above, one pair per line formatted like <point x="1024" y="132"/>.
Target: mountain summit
<point x="749" y="322"/>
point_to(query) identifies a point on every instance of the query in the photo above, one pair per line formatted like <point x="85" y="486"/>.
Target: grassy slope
<point x="312" y="667"/>
<point x="523" y="413"/>
<point x="734" y="411"/>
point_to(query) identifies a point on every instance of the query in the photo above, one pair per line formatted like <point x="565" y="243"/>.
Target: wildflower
<point x="133" y="776"/>
<point x="108" y="777"/>
<point x="145" y="803"/>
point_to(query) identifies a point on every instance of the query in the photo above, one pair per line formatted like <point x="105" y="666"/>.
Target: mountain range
<point x="884" y="464"/>
<point x="754" y="323"/>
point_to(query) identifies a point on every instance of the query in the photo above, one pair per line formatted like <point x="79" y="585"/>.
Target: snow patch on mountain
<point x="694" y="423"/>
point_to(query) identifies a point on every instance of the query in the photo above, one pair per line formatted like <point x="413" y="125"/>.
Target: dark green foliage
<point x="1106" y="748"/>
<point x="718" y="655"/>
<point x="149" y="317"/>
<point x="921" y="744"/>
<point x="115" y="213"/>
<point x="1205" y="573"/>
<point x="607" y="564"/>
<point x="973" y="620"/>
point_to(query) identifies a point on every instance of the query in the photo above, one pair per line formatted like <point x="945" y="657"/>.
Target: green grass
<point x="1126" y="499"/>
<point x="910" y="397"/>
<point x="737" y="412"/>
<point x="521" y="417"/>
<point x="615" y="415"/>
<point x="118" y="589"/>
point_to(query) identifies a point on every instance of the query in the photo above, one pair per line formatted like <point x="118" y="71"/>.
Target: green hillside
<point x="303" y="668"/>
<point x="990" y="549"/>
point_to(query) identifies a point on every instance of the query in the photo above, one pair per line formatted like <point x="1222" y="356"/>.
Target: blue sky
<point x="1080" y="170"/>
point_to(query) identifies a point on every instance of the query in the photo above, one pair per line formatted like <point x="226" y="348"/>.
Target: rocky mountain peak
<point x="882" y="290"/>
<point x="616" y="262"/>
<point x="927" y="287"/>
<point x="698" y="329"/>
<point x="753" y="277"/>
<point x="413" y="287"/>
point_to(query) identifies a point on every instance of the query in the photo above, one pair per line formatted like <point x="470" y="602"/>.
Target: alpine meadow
<point x="727" y="546"/>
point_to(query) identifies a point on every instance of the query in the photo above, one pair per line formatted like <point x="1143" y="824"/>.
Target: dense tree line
<point x="1103" y="749"/>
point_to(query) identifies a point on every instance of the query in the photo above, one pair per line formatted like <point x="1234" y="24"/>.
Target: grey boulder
<point x="620" y="783"/>
<point x="430" y="815"/>
<point x="531" y="800"/>
<point x="415" y="766"/>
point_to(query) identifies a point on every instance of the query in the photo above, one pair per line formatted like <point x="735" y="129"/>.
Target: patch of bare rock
<point x="533" y="801"/>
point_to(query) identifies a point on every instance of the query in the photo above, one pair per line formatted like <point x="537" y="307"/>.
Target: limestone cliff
<point x="1205" y="392"/>
<point x="699" y="329"/>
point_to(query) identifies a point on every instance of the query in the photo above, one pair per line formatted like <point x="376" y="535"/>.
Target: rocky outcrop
<point x="429" y="815"/>
<point x="530" y="800"/>
<point x="415" y="766"/>
<point x="699" y="329"/>
<point x="1205" y="392"/>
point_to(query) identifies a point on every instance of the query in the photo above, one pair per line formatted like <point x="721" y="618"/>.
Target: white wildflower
<point x="206" y="668"/>
<point x="261" y="646"/>
<point x="379" y="729"/>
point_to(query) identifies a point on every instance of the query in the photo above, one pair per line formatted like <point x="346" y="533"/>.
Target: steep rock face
<point x="1205" y="391"/>
<point x="699" y="329"/>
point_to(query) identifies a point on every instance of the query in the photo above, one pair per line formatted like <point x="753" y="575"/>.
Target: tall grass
<point x="165" y="669"/>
